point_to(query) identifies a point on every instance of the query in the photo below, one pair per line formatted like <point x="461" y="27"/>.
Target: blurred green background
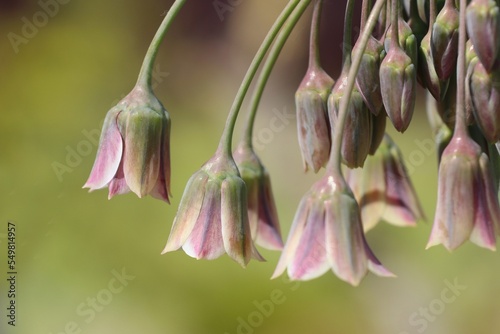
<point x="54" y="93"/>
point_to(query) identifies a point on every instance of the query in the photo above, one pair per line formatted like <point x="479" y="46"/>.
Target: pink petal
<point x="118" y="185"/>
<point x="188" y="212"/>
<point x="109" y="153"/>
<point x="205" y="240"/>
<point x="268" y="233"/>
<point x="309" y="260"/>
<point x="344" y="237"/>
<point x="299" y="223"/>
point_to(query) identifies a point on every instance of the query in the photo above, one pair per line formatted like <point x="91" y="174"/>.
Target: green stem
<point x="225" y="142"/>
<point x="314" y="59"/>
<point x="347" y="38"/>
<point x="365" y="11"/>
<point x="460" y="126"/>
<point x="146" y="73"/>
<point x="395" y="24"/>
<point x="271" y="61"/>
<point x="338" y="130"/>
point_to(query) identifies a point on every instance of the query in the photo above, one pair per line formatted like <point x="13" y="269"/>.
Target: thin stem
<point x="146" y="73"/>
<point x="365" y="11"/>
<point x="225" y="142"/>
<point x="432" y="14"/>
<point x="271" y="61"/>
<point x="395" y="24"/>
<point x="314" y="59"/>
<point x="460" y="126"/>
<point x="388" y="11"/>
<point x="338" y="131"/>
<point x="347" y="41"/>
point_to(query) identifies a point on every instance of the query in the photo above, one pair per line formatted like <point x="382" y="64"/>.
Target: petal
<point x="454" y="217"/>
<point x="143" y="138"/>
<point x="488" y="211"/>
<point x="344" y="238"/>
<point x="118" y="185"/>
<point x="205" y="240"/>
<point x="188" y="212"/>
<point x="109" y="153"/>
<point x="162" y="189"/>
<point x="309" y="260"/>
<point x="236" y="234"/>
<point x="268" y="233"/>
<point x="299" y="222"/>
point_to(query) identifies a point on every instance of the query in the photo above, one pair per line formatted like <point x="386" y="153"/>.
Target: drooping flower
<point x="327" y="233"/>
<point x="467" y="206"/>
<point x="444" y="40"/>
<point x="134" y="149"/>
<point x="262" y="213"/>
<point x="483" y="27"/>
<point x="384" y="189"/>
<point x="212" y="218"/>
<point x="312" y="117"/>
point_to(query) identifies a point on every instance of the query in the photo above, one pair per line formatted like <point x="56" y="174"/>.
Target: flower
<point x="398" y="86"/>
<point x="483" y="27"/>
<point x="262" y="214"/>
<point x="312" y="117"/>
<point x="212" y="218"/>
<point x="384" y="190"/>
<point x="327" y="234"/>
<point x="444" y="40"/>
<point x="134" y="149"/>
<point x="467" y="206"/>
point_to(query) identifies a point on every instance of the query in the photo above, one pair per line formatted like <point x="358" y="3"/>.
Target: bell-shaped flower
<point x="327" y="233"/>
<point x="483" y="26"/>
<point x="134" y="149"/>
<point x="484" y="90"/>
<point x="212" y="218"/>
<point x="367" y="79"/>
<point x="384" y="189"/>
<point x="406" y="40"/>
<point x="427" y="72"/>
<point x="262" y="213"/>
<point x="356" y="139"/>
<point x="398" y="86"/>
<point x="313" y="126"/>
<point x="444" y="40"/>
<point x="467" y="205"/>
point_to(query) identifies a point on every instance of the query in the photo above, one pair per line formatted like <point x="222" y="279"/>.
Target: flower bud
<point x="444" y="41"/>
<point x="367" y="79"/>
<point x="484" y="91"/>
<point x="378" y="124"/>
<point x="398" y="87"/>
<point x="356" y="140"/>
<point x="134" y="150"/>
<point x="312" y="118"/>
<point x="483" y="26"/>
<point x="407" y="41"/>
<point x="427" y="72"/>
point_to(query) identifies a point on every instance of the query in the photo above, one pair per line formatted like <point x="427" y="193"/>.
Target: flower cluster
<point x="228" y="204"/>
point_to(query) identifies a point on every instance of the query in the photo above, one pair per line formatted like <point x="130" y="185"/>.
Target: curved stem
<point x="347" y="38"/>
<point x="432" y="14"/>
<point x="225" y="142"/>
<point x="314" y="59"/>
<point x="271" y="61"/>
<point x="365" y="11"/>
<point x="146" y="73"/>
<point x="460" y="126"/>
<point x="338" y="131"/>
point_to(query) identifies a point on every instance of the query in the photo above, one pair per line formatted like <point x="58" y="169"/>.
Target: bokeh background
<point x="55" y="89"/>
